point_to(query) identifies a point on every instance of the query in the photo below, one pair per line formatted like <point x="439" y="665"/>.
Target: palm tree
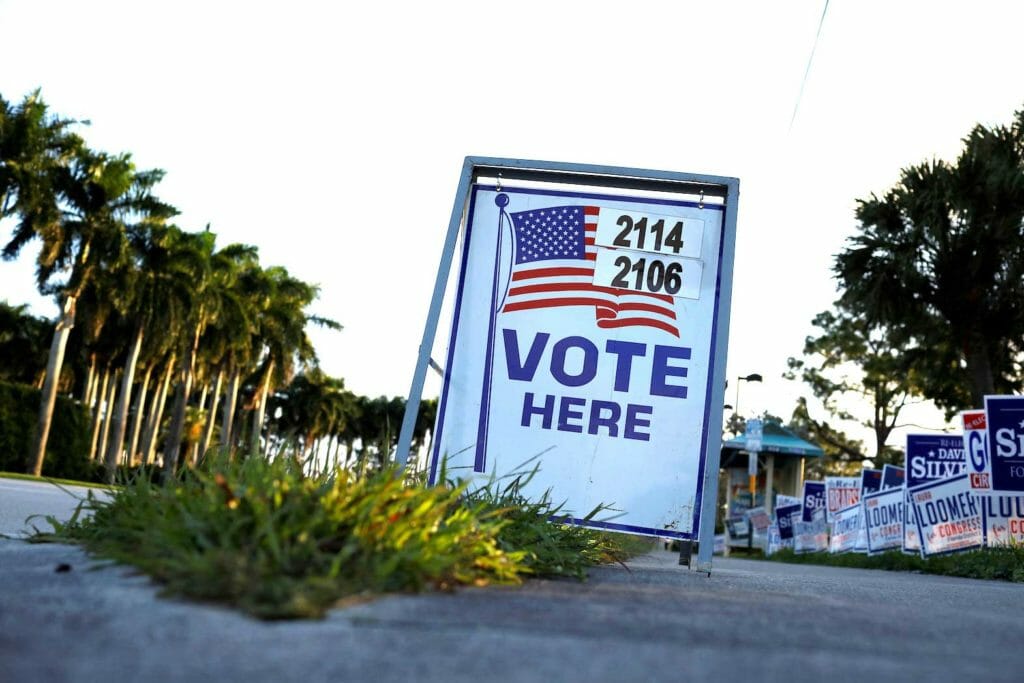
<point x="282" y="331"/>
<point x="98" y="194"/>
<point x="158" y="295"/>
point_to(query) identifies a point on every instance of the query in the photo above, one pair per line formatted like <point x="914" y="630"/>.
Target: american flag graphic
<point x="553" y="266"/>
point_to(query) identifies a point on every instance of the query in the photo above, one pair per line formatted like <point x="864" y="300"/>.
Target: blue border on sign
<point x="917" y="518"/>
<point x="457" y="316"/>
<point x="451" y="341"/>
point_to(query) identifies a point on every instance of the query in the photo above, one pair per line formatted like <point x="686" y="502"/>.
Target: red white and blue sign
<point x="948" y="516"/>
<point x="979" y="467"/>
<point x="846" y="529"/>
<point x="1004" y="519"/>
<point x="1004" y="418"/>
<point x="928" y="458"/>
<point x="870" y="481"/>
<point x="893" y="477"/>
<point x="584" y="337"/>
<point x="883" y="517"/>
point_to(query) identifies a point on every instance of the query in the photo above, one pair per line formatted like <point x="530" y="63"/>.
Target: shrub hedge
<point x="67" y="450"/>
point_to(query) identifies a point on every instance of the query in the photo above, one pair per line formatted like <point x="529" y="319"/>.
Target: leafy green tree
<point x="848" y="360"/>
<point x="939" y="263"/>
<point x="22" y="343"/>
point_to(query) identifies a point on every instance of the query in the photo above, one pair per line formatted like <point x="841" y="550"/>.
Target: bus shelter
<point x="780" y="470"/>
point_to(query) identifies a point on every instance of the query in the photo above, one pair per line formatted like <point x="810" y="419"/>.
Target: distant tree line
<point x="173" y="343"/>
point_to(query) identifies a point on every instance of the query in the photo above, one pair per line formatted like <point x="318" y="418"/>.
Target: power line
<point x="807" y="71"/>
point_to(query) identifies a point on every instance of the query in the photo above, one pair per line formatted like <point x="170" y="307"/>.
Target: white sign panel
<point x="845" y="528"/>
<point x="947" y="515"/>
<point x="608" y="388"/>
<point x="883" y="516"/>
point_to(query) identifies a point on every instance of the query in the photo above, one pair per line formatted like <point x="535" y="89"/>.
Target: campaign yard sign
<point x="846" y="525"/>
<point x="883" y="516"/>
<point x="928" y="458"/>
<point x="784" y="517"/>
<point x="584" y="336"/>
<point x="810" y="537"/>
<point x="774" y="543"/>
<point x="979" y="467"/>
<point x="814" y="499"/>
<point x="1003" y="517"/>
<point x="870" y="481"/>
<point x="948" y="516"/>
<point x="892" y="477"/>
<point x="840" y="493"/>
<point x="782" y="500"/>
<point x="1004" y="440"/>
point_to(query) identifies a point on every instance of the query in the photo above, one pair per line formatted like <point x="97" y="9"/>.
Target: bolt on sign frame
<point x="645" y="415"/>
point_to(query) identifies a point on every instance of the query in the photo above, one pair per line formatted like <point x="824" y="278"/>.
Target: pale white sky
<point x="331" y="135"/>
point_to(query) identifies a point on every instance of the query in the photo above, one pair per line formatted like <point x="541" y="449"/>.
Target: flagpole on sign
<point x="480" y="458"/>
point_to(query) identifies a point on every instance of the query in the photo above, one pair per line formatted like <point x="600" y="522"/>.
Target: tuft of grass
<point x="265" y="537"/>
<point x="1002" y="563"/>
<point x="552" y="545"/>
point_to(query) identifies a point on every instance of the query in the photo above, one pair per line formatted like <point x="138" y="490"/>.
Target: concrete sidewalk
<point x="655" y="622"/>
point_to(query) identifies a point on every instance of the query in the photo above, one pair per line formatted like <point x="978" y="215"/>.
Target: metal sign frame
<point x="591" y="176"/>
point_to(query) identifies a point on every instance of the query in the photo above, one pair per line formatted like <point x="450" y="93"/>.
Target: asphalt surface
<point x="656" y="621"/>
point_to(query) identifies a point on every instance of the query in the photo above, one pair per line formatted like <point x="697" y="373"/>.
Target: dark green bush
<point x="67" y="450"/>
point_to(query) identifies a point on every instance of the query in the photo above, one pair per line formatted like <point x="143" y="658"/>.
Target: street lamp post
<point x="753" y="377"/>
<point x="752" y="465"/>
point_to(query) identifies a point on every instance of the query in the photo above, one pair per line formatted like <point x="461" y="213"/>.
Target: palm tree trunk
<point x="227" y="421"/>
<point x="107" y="417"/>
<point x="97" y="414"/>
<point x="153" y="425"/>
<point x="90" y="382"/>
<point x="211" y="417"/>
<point x="35" y="457"/>
<point x="140" y="408"/>
<point x="121" y="412"/>
<point x="261" y="409"/>
<point x="172" y="445"/>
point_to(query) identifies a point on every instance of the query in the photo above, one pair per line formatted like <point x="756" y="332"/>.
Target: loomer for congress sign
<point x="584" y="337"/>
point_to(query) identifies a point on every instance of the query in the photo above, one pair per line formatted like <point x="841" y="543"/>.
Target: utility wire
<point x="807" y="71"/>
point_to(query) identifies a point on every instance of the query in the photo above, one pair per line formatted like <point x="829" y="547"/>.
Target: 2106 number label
<point x="641" y="272"/>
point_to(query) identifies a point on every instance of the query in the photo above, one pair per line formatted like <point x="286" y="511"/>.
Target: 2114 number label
<point x="642" y="272"/>
<point x="668" y="235"/>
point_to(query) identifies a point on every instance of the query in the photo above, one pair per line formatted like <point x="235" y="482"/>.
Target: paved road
<point x="753" y="621"/>
<point x="21" y="499"/>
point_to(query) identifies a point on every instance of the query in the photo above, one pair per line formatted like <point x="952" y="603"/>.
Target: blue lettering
<point x="611" y="422"/>
<point x="625" y="352"/>
<point x="517" y="369"/>
<point x="661" y="371"/>
<point x="546" y="412"/>
<point x="635" y="420"/>
<point x="565" y="413"/>
<point x="587" y="372"/>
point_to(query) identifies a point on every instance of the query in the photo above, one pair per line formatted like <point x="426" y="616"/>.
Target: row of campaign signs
<point x="954" y="493"/>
